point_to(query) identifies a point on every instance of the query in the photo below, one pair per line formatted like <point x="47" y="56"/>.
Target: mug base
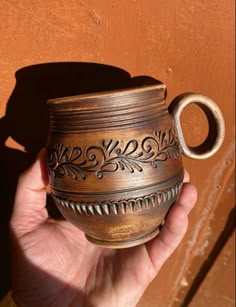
<point x="123" y="244"/>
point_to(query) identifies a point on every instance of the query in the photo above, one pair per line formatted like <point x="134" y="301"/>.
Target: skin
<point x="54" y="265"/>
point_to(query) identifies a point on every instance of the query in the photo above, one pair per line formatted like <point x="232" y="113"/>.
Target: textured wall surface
<point x="187" y="44"/>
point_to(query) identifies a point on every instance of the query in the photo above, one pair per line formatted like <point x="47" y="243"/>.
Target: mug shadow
<point x="26" y="122"/>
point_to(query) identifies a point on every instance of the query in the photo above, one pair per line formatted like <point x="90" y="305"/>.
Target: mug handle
<point x="215" y="122"/>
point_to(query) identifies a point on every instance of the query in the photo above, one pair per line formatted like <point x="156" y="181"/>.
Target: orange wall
<point x="189" y="45"/>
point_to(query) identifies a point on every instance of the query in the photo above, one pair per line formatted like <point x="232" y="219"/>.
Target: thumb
<point x="30" y="201"/>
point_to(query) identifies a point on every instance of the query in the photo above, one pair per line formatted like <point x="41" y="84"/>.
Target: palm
<point x="61" y="258"/>
<point x="54" y="265"/>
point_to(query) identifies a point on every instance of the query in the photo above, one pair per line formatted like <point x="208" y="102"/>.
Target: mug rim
<point x="106" y="94"/>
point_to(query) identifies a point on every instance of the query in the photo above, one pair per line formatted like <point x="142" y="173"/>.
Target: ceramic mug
<point x="114" y="160"/>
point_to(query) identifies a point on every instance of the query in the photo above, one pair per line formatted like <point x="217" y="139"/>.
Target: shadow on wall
<point x="26" y="121"/>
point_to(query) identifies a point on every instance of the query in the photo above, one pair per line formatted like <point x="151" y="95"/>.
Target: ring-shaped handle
<point x="215" y="119"/>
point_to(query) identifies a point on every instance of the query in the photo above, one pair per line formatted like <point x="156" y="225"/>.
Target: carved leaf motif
<point x="130" y="148"/>
<point x="75" y="154"/>
<point x="111" y="156"/>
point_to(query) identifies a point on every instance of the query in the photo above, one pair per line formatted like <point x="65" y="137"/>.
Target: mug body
<point x="114" y="163"/>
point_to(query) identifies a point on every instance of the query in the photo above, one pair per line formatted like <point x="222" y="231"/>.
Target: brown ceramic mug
<point x="114" y="160"/>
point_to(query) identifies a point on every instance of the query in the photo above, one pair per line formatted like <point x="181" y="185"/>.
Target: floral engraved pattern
<point x="111" y="156"/>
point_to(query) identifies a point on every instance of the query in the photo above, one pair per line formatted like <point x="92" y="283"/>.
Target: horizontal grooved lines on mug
<point x="117" y="96"/>
<point x="80" y="120"/>
<point x="124" y="206"/>
<point x="122" y="109"/>
<point x="110" y="125"/>
<point x="100" y="124"/>
<point x="115" y="111"/>
<point x="167" y="182"/>
<point x="75" y="117"/>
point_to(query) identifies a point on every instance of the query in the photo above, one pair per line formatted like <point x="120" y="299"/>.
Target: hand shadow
<point x="26" y="121"/>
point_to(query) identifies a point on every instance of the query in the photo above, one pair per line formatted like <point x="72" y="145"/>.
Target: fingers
<point x="188" y="197"/>
<point x="30" y="200"/>
<point x="186" y="176"/>
<point x="174" y="228"/>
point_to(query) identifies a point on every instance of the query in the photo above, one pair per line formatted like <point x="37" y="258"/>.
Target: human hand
<point x="54" y="265"/>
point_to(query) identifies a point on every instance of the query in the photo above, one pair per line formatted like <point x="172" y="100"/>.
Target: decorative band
<point x="109" y="156"/>
<point x="124" y="206"/>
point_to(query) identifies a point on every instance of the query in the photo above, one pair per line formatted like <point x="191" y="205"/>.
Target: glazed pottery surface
<point x="114" y="160"/>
